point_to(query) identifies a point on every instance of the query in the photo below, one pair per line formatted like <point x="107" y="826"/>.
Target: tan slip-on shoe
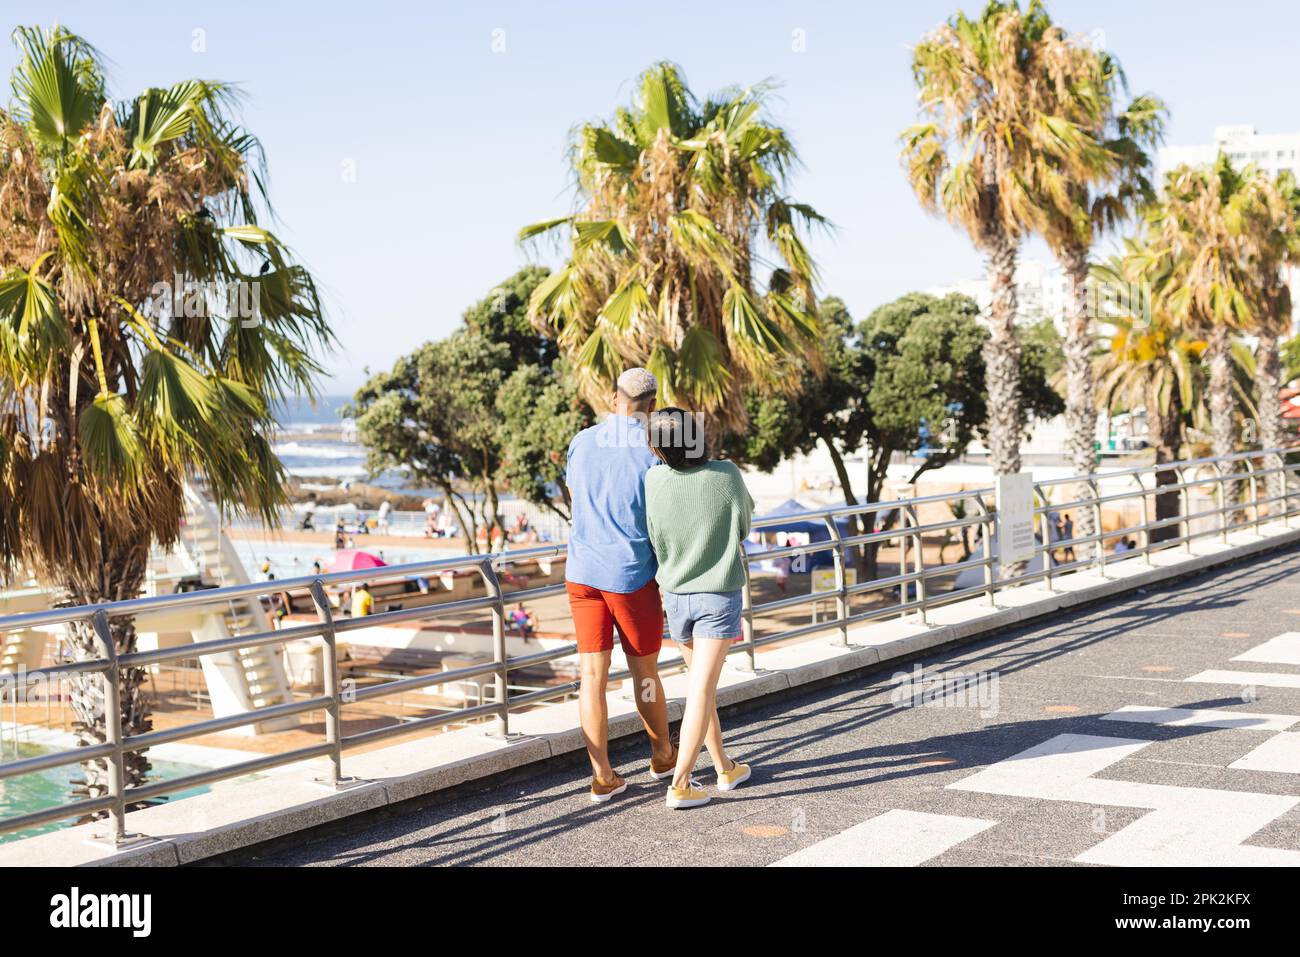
<point x="602" y="791"/>
<point x="659" y="772"/>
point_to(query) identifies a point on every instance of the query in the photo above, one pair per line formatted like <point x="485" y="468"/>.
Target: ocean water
<point x="319" y="441"/>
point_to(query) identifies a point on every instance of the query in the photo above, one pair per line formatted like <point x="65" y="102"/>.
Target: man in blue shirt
<point x="610" y="577"/>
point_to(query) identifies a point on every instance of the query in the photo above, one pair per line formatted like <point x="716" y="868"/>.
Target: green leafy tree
<point x="485" y="410"/>
<point x="540" y="412"/>
<point x="910" y="377"/>
<point x="112" y="393"/>
<point x="432" y="418"/>
<point x="502" y="316"/>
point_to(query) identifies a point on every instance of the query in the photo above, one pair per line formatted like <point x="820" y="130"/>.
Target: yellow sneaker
<point x="602" y="791"/>
<point x="691" y="796"/>
<point x="730" y="780"/>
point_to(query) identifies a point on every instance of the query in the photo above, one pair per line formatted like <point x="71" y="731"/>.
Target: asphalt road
<point x="1127" y="734"/>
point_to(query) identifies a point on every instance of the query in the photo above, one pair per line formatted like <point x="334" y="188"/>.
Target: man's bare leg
<point x="594" y="712"/>
<point x="651" y="704"/>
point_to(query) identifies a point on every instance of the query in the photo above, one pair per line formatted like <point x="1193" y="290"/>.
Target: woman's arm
<point x="744" y="501"/>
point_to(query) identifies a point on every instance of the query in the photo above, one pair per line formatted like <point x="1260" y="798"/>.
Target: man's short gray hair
<point x="638" y="384"/>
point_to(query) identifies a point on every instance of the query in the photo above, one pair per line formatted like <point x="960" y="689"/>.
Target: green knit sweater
<point x="697" y="519"/>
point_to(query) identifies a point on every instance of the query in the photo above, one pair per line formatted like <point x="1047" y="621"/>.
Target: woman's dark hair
<point x="677" y="438"/>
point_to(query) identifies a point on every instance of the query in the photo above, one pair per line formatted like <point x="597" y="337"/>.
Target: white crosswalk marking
<point x="1242" y="678"/>
<point x="1186" y="826"/>
<point x="1183" y="826"/>
<point x="1201" y="718"/>
<point x="1279" y="753"/>
<point x="893" y="839"/>
<point x="1282" y="650"/>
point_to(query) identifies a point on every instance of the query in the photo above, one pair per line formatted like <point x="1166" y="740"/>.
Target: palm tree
<point x="1151" y="363"/>
<point x="1002" y="124"/>
<point x="115" y="386"/>
<point x="1203" y="225"/>
<point x="678" y="203"/>
<point x="1104" y="181"/>
<point x="1273" y="242"/>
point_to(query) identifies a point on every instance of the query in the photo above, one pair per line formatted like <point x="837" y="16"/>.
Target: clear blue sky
<point x="455" y="145"/>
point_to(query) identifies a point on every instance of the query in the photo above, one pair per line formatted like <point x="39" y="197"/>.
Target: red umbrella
<point x="351" y="560"/>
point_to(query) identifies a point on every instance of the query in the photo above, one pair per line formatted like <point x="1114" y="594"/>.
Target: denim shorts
<point x="710" y="614"/>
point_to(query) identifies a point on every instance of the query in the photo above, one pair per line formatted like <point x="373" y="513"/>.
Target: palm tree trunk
<point x="1268" y="374"/>
<point x="1164" y="426"/>
<point x="1002" y="357"/>
<point x="120" y="577"/>
<point x="1002" y="363"/>
<point x="1080" y="396"/>
<point x="1222" y="407"/>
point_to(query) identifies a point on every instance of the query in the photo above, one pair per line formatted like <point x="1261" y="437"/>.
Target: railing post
<point x="989" y="558"/>
<point x="1146" y="517"/>
<point x="1286" y="490"/>
<point x="747" y="612"/>
<point x="1186" y="492"/>
<point x="841" y="580"/>
<point x="1045" y="529"/>
<point x="1223" y="504"/>
<point x="903" y="542"/>
<point x="331" y="681"/>
<point x="918" y="564"/>
<point x="493" y="583"/>
<point x="1254" y="491"/>
<point x="1099" y="531"/>
<point x="113" y="727"/>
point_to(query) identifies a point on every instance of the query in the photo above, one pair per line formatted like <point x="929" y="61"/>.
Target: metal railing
<point x="897" y="524"/>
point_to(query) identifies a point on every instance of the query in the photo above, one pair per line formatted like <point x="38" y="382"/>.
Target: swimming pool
<point x="294" y="559"/>
<point x="34" y="792"/>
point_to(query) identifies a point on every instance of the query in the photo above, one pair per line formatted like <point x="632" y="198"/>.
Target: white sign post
<point x="1015" y="518"/>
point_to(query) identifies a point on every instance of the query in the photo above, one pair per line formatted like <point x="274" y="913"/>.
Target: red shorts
<point x="638" y="614"/>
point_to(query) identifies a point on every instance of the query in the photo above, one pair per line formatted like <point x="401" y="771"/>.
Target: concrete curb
<point x="240" y="814"/>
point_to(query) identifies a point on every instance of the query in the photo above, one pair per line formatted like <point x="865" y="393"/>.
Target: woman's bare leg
<point x="700" y="721"/>
<point x="713" y="736"/>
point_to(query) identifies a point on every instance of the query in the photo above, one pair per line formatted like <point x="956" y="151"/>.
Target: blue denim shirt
<point x="609" y="545"/>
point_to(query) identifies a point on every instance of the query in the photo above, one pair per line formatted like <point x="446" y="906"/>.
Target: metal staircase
<point x="249" y="677"/>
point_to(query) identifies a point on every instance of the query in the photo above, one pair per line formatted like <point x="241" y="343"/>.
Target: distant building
<point x="1041" y="291"/>
<point x="1271" y="152"/>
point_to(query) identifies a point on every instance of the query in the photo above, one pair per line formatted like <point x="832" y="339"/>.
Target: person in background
<point x="308" y="522"/>
<point x="698" y="512"/>
<point x="315" y="566"/>
<point x="281" y="605"/>
<point x="381" y="520"/>
<point x="363" y="603"/>
<point x="610" y="578"/>
<point x="783" y="569"/>
<point x="1067" y="533"/>
<point x="523" y="620"/>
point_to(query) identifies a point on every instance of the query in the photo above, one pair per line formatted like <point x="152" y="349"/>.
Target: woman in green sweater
<point x="698" y="512"/>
